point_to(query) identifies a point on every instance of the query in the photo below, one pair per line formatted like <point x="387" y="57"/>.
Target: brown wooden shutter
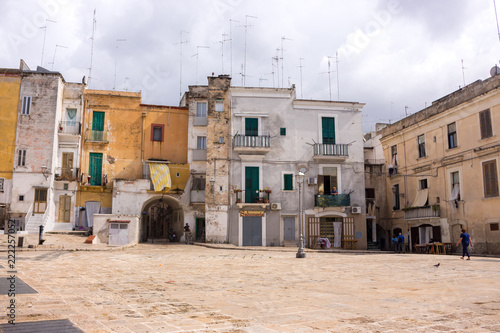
<point x="490" y="179"/>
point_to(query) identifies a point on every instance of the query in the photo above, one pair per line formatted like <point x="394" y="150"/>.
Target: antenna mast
<point x="329" y="78"/>
<point x="338" y="84"/>
<point x="44" y="35"/>
<point x="300" y="66"/>
<point x="283" y="60"/>
<point x="54" y="58"/>
<point x="116" y="59"/>
<point x="180" y="74"/>
<point x="222" y="47"/>
<point x="496" y="16"/>
<point x="197" y="53"/>
<point x="245" y="59"/>
<point x="231" y="43"/>
<point x="463" y="72"/>
<point x="94" y="23"/>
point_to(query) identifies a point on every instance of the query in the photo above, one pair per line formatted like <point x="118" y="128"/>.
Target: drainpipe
<point x="143" y="116"/>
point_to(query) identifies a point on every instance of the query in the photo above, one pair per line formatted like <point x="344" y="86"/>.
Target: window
<point x="2" y="180"/>
<point x="494" y="227"/>
<point x="251" y="184"/>
<point x="490" y="179"/>
<point x="221" y="139"/>
<point x="26" y="107"/>
<point x="485" y="124"/>
<point x="95" y="169"/>
<point x="157" y="132"/>
<point x="287" y="182"/>
<point x="283" y="131"/>
<point x="201" y="142"/>
<point x="328" y="128"/>
<point x="369" y="193"/>
<point x="455" y="185"/>
<point x="199" y="183"/>
<point x="421" y="145"/>
<point x="395" y="197"/>
<point x="219" y="105"/>
<point x="201" y="109"/>
<point x="21" y="157"/>
<point x="328" y="181"/>
<point x="21" y="198"/>
<point x="452" y="135"/>
<point x="251" y="126"/>
<point x="70" y="117"/>
<point x="394" y="155"/>
<point x="423" y="184"/>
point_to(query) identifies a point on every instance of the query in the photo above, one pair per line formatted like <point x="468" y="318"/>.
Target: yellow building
<point x="129" y="148"/>
<point x="10" y="83"/>
<point x="443" y="169"/>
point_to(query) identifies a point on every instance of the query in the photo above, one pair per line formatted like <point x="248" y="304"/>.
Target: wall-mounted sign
<point x="252" y="213"/>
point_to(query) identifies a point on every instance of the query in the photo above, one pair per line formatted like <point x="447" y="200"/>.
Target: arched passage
<point x="161" y="218"/>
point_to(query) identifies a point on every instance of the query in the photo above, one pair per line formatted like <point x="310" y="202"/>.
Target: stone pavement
<point x="181" y="288"/>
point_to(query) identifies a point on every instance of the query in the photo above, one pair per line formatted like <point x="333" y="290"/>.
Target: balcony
<point x="96" y="136"/>
<point x="412" y="213"/>
<point x="329" y="200"/>
<point x="197" y="196"/>
<point x="70" y="127"/>
<point x="338" y="152"/>
<point x="199" y="154"/>
<point x="66" y="174"/>
<point x="260" y="144"/>
<point x="200" y="121"/>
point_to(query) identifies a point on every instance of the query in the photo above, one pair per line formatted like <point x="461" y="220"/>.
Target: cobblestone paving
<point x="179" y="288"/>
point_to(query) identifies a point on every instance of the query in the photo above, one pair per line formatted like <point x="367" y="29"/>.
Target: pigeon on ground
<point x="437" y="265"/>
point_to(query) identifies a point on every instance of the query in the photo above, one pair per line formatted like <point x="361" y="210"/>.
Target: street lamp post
<point x="300" y="252"/>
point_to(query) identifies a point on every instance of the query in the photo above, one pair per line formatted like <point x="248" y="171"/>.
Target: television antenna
<point x="231" y="43"/>
<point x="283" y="38"/>
<point x="44" y="35"/>
<point x="300" y="66"/>
<point x="116" y="59"/>
<point x="277" y="59"/>
<point x="180" y="70"/>
<point x="54" y="58"/>
<point x="338" y="84"/>
<point x="245" y="58"/>
<point x="196" y="55"/>
<point x="329" y="77"/>
<point x="222" y="48"/>
<point x="463" y="71"/>
<point x="94" y="24"/>
<point x="261" y="79"/>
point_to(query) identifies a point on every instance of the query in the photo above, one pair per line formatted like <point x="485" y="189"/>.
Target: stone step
<point x="62" y="226"/>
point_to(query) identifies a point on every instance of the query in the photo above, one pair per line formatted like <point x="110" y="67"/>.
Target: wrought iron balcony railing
<point x="322" y="149"/>
<point x="330" y="200"/>
<point x="260" y="141"/>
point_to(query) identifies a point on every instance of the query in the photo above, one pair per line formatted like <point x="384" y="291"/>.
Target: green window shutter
<point x="328" y="125"/>
<point x="95" y="168"/>
<point x="288" y="180"/>
<point x="251" y="184"/>
<point x="251" y="126"/>
<point x="97" y="121"/>
<point x="283" y="131"/>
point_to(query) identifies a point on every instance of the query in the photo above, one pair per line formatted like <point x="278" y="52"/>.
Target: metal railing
<point x="321" y="149"/>
<point x="330" y="200"/>
<point x="260" y="141"/>
<point x="422" y="212"/>
<point x="96" y="136"/>
<point x="70" y="174"/>
<point x="70" y="127"/>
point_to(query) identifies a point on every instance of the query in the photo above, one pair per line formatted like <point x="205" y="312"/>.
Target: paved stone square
<point x="181" y="288"/>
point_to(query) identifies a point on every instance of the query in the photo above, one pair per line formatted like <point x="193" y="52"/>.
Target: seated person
<point x="333" y="191"/>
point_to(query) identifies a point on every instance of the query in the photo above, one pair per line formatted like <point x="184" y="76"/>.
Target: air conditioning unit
<point x="276" y="206"/>
<point x="313" y="180"/>
<point x="356" y="210"/>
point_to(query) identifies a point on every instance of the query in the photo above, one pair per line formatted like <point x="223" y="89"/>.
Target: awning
<point x="160" y="176"/>
<point x="421" y="198"/>
<point x="456" y="192"/>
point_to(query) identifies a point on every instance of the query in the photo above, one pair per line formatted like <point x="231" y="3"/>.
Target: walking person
<point x="466" y="241"/>
<point x="395" y="243"/>
<point x="401" y="243"/>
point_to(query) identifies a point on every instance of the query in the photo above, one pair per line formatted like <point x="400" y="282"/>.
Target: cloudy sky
<point x="390" y="54"/>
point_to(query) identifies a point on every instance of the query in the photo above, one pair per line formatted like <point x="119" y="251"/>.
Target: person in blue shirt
<point x="466" y="241"/>
<point x="401" y="243"/>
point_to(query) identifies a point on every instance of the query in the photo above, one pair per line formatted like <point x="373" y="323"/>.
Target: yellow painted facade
<point x="445" y="155"/>
<point x="10" y="84"/>
<point x="120" y="135"/>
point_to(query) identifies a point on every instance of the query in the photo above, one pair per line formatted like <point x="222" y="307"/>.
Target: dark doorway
<point x="162" y="220"/>
<point x="200" y="230"/>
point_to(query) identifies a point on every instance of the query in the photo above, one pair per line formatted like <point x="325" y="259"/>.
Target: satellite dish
<point x="495" y="70"/>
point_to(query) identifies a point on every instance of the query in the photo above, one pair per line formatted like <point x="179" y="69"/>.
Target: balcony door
<point x="95" y="168"/>
<point x="251" y="126"/>
<point x="67" y="166"/>
<point x="328" y="130"/>
<point x="97" y="126"/>
<point x="251" y="184"/>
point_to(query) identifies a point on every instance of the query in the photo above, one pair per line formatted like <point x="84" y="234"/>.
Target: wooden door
<point x="289" y="226"/>
<point x="64" y="208"/>
<point x="67" y="166"/>
<point x="252" y="231"/>
<point x="40" y="201"/>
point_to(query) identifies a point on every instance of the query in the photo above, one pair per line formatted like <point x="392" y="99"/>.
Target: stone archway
<point x="161" y="218"/>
